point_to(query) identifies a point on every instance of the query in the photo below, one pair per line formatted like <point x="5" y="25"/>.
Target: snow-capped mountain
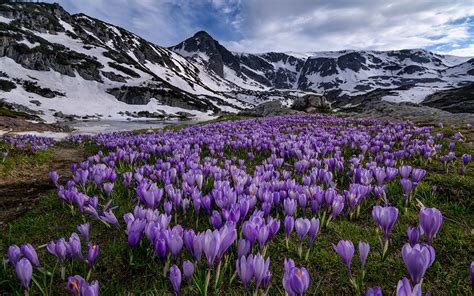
<point x="59" y="66"/>
<point x="412" y="73"/>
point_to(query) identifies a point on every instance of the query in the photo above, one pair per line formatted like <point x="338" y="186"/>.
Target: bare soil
<point x="26" y="185"/>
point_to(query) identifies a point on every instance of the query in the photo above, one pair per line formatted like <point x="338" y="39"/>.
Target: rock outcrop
<point x="272" y="108"/>
<point x="311" y="103"/>
<point x="458" y="100"/>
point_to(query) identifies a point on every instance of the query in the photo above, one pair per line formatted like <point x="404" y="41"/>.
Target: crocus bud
<point x="417" y="260"/>
<point x="345" y="249"/>
<point x="14" y="254"/>
<point x="92" y="253"/>
<point x="24" y="272"/>
<point x="364" y="249"/>
<point x="188" y="270"/>
<point x="413" y="235"/>
<point x="430" y="221"/>
<point x="84" y="230"/>
<point x="302" y="227"/>
<point x="174" y="275"/>
<point x="289" y="224"/>
<point x="30" y="253"/>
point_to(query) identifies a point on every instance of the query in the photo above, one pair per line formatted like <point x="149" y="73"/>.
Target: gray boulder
<point x="272" y="108"/>
<point x="311" y="103"/>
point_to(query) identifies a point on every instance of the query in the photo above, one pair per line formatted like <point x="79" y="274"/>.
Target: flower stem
<point x="206" y="283"/>
<point x="217" y="276"/>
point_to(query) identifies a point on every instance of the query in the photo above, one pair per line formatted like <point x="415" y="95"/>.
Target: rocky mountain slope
<point x="57" y="65"/>
<point x="412" y="74"/>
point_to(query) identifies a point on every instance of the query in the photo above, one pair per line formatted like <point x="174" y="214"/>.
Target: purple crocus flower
<point x="391" y="173"/>
<point x="74" y="246"/>
<point x="377" y="291"/>
<point x="174" y="244"/>
<point x="92" y="253"/>
<point x="58" y="249"/>
<point x="127" y="179"/>
<point x="260" y="269"/>
<point x="14" y="254"/>
<point x="91" y="289"/>
<point x="345" y="249"/>
<point x="417" y="260"/>
<point x="407" y="187"/>
<point x="159" y="246"/>
<point x="337" y="206"/>
<point x="472" y="274"/>
<point x="188" y="270"/>
<point x="24" y="272"/>
<point x="296" y="281"/>
<point x="273" y="227"/>
<point x="243" y="247"/>
<point x="74" y="284"/>
<point x="135" y="229"/>
<point x="364" y="249"/>
<point x="244" y="267"/>
<point x="380" y="176"/>
<point x="385" y="217"/>
<point x="313" y="230"/>
<point x="430" y="221"/>
<point x="109" y="217"/>
<point x="84" y="230"/>
<point x="404" y="288"/>
<point x="262" y="236"/>
<point x="302" y="226"/>
<point x="216" y="220"/>
<point x="228" y="234"/>
<point x="466" y="158"/>
<point x="174" y="275"/>
<point x="290" y="206"/>
<point x="405" y="171"/>
<point x="188" y="238"/>
<point x="417" y="175"/>
<point x="414" y="235"/>
<point x="108" y="187"/>
<point x="211" y="244"/>
<point x="266" y="280"/>
<point x="289" y="224"/>
<point x="53" y="175"/>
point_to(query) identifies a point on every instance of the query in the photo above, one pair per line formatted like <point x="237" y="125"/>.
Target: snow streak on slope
<point x="76" y="66"/>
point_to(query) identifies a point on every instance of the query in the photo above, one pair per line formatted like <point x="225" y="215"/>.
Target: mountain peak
<point x="202" y="34"/>
<point x="217" y="54"/>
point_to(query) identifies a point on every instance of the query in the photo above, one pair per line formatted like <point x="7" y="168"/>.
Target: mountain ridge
<point x="68" y="66"/>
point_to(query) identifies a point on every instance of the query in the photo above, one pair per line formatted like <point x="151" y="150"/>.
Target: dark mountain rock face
<point x="200" y="73"/>
<point x="458" y="100"/>
<point x="353" y="61"/>
<point x="218" y="55"/>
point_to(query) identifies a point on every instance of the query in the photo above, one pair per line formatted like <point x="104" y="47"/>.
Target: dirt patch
<point x="24" y="186"/>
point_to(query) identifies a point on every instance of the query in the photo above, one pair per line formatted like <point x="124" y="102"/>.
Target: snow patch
<point x="5" y="20"/>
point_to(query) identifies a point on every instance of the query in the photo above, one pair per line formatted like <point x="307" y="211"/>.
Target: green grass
<point x="19" y="158"/>
<point x="4" y="111"/>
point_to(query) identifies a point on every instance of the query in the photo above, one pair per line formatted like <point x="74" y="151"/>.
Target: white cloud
<point x="302" y="25"/>
<point x="294" y="25"/>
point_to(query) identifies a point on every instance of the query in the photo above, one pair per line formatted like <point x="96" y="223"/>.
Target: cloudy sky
<point x="445" y="26"/>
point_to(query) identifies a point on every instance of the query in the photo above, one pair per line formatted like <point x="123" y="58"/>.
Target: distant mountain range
<point x="61" y="66"/>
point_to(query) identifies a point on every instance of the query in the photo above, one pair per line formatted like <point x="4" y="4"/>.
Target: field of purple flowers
<point x="303" y="204"/>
